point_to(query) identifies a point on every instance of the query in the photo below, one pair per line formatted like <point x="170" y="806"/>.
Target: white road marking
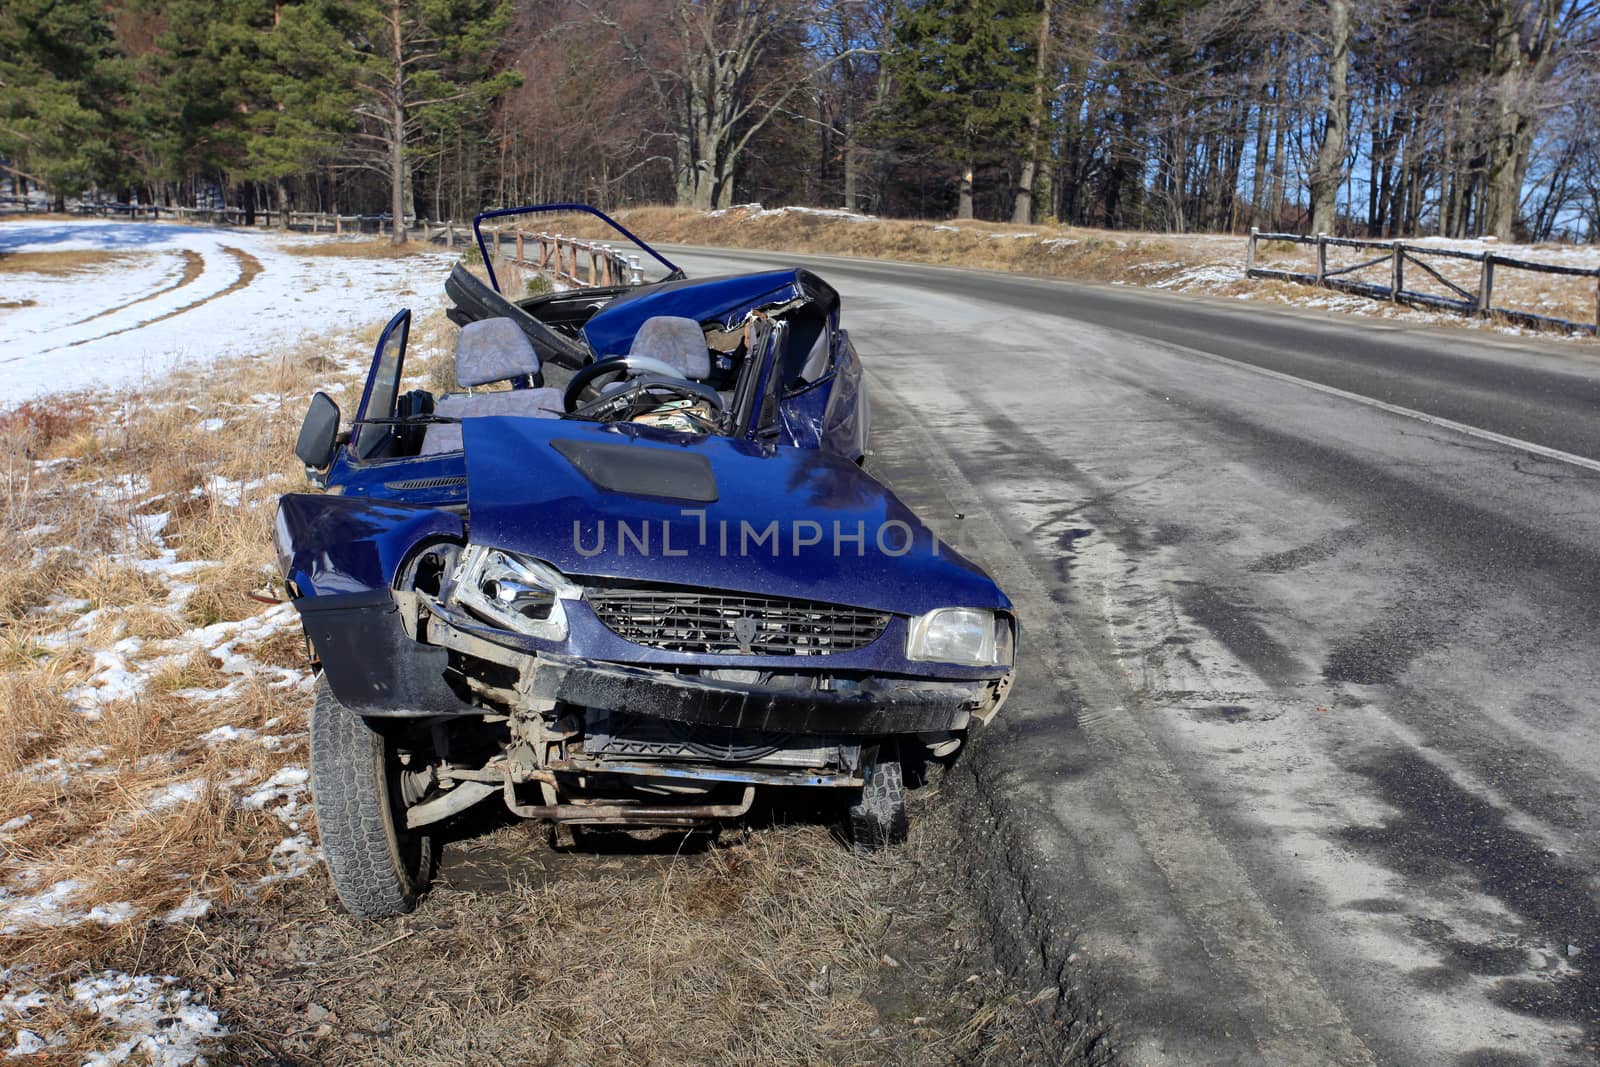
<point x="1394" y="409"/>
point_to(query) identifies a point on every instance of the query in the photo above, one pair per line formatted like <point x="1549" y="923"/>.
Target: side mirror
<point x="319" y="434"/>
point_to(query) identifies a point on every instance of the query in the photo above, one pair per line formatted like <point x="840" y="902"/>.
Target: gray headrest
<point x="677" y="342"/>
<point x="492" y="350"/>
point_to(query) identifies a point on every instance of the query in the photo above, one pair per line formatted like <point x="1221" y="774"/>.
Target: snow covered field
<point x="182" y="294"/>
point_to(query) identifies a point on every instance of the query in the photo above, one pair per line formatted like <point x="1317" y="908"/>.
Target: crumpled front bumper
<point x="875" y="707"/>
<point x="379" y="665"/>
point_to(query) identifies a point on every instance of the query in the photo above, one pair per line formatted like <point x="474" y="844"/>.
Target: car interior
<point x="678" y="374"/>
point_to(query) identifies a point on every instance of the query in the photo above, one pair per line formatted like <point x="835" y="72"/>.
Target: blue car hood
<point x="620" y="502"/>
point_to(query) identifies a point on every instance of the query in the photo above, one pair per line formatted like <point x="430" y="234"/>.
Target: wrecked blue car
<point x="629" y="571"/>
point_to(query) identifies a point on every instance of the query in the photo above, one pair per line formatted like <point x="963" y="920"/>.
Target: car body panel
<point x="337" y="544"/>
<point x="868" y="549"/>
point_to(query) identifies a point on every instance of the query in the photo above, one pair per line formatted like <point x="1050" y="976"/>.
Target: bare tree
<point x="417" y="65"/>
<point x="1022" y="209"/>
<point x="1531" y="37"/>
<point x="1328" y="173"/>
<point x="731" y="71"/>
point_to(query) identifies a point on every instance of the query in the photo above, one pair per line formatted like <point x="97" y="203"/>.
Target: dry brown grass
<point x="774" y="946"/>
<point x="359" y="248"/>
<point x="1085" y="254"/>
<point x="61" y="263"/>
<point x="83" y="481"/>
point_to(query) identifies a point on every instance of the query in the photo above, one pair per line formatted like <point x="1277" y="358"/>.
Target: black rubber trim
<point x="370" y="663"/>
<point x="642" y="470"/>
<point x="475" y="300"/>
<point x="902" y="709"/>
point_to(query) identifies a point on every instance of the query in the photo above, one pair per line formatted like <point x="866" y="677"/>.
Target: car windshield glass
<point x="383" y="383"/>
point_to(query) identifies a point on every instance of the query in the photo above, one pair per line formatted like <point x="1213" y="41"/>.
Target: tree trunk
<point x="398" y="178"/>
<point x="964" y="205"/>
<point x="1022" y="209"/>
<point x="1513" y="134"/>
<point x="397" y="169"/>
<point x="1329" y="172"/>
<point x="283" y="205"/>
<point x="1275" y="194"/>
<point x="1258" y="176"/>
<point x="851" y="167"/>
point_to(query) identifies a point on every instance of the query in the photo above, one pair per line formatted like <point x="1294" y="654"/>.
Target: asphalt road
<point x="1301" y="753"/>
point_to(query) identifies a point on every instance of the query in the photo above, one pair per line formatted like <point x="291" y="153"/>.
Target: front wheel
<point x="378" y="867"/>
<point x="878" y="817"/>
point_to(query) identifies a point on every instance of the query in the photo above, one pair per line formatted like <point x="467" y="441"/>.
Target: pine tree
<point x="59" y="83"/>
<point x="300" y="80"/>
<point x="421" y="66"/>
<point x="964" y="73"/>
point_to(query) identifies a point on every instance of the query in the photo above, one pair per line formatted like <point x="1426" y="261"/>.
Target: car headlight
<point x="970" y="636"/>
<point x="512" y="591"/>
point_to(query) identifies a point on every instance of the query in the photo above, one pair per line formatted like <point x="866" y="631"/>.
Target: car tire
<point x="878" y="817"/>
<point x="378" y="867"/>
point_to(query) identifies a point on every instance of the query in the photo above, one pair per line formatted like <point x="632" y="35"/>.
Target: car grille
<point x="733" y="624"/>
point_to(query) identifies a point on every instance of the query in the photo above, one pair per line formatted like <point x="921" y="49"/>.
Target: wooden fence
<point x="583" y="263"/>
<point x="448" y="232"/>
<point x="1396" y="256"/>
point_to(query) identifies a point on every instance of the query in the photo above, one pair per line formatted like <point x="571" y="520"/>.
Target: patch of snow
<point x="29" y="1044"/>
<point x="113" y="679"/>
<point x="228" y="492"/>
<point x="149" y="527"/>
<point x="288" y="786"/>
<point x="819" y="212"/>
<point x="229" y="733"/>
<point x="292" y="857"/>
<point x="170" y="796"/>
<point x="13" y="1005"/>
<point x="113" y="914"/>
<point x="48" y="907"/>
<point x="11" y="826"/>
<point x="212" y="425"/>
<point x="1210" y="274"/>
<point x="194" y="907"/>
<point x="155" y="1019"/>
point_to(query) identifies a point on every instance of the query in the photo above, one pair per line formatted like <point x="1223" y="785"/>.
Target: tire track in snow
<point x="194" y="265"/>
<point x="249" y="267"/>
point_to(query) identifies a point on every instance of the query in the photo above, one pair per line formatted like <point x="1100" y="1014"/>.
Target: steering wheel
<point x="588" y="385"/>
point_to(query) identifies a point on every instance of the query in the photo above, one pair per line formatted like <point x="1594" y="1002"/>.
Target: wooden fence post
<point x="1250" y="252"/>
<point x="1397" y="279"/>
<point x="1322" y="258"/>
<point x="1486" y="285"/>
<point x="519" y="244"/>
